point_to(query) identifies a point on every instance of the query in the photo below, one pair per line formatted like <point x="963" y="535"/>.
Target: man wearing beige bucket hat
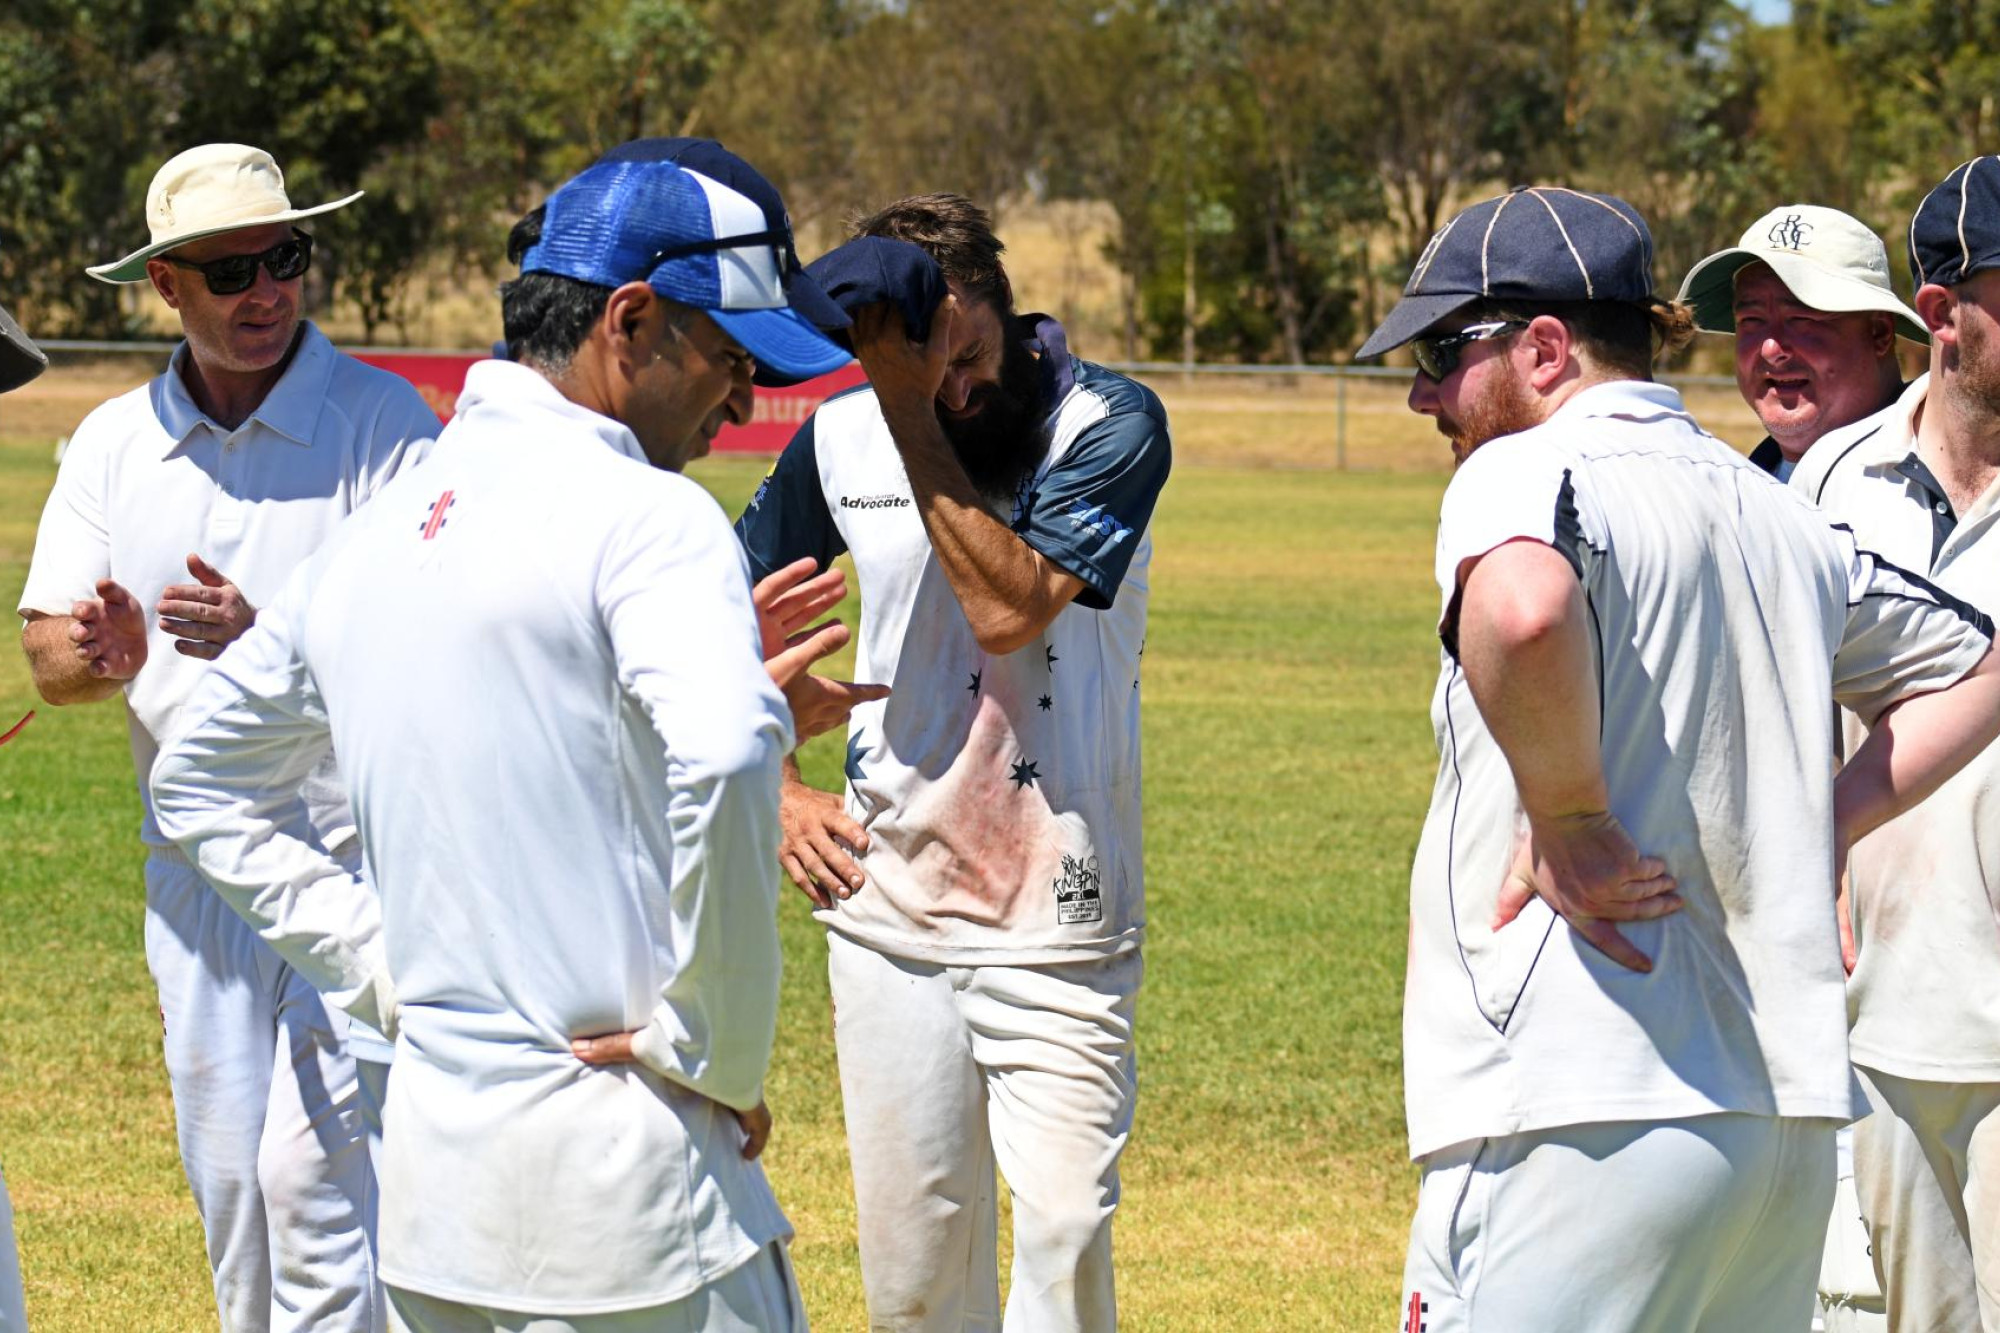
<point x="180" y="508"/>
<point x="1806" y="293"/>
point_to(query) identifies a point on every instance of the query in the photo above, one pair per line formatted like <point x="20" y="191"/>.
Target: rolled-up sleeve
<point x="674" y="594"/>
<point x="226" y="790"/>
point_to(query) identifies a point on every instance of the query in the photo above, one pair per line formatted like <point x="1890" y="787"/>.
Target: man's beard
<point x="1002" y="443"/>
<point x="1506" y="407"/>
<point x="1978" y="366"/>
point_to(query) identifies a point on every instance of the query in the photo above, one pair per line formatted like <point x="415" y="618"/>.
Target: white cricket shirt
<point x="1001" y="793"/>
<point x="147" y="478"/>
<point x="1925" y="994"/>
<point x="1727" y="616"/>
<point x="537" y="659"/>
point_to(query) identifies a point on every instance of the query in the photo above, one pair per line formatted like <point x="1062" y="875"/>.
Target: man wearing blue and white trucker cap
<point x="20" y="361"/>
<point x="1624" y="1026"/>
<point x="1920" y="482"/>
<point x="541" y="665"/>
<point x="180" y="509"/>
<point x="1806" y="293"/>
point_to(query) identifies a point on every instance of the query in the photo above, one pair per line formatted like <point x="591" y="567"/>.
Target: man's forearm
<point x="1524" y="644"/>
<point x="1008" y="590"/>
<point x="1914" y="748"/>
<point x="61" y="677"/>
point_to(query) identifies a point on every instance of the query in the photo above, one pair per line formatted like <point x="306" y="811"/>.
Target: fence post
<point x="1340" y="421"/>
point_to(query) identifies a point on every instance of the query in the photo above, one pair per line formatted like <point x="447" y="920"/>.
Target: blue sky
<point x="1769" y="11"/>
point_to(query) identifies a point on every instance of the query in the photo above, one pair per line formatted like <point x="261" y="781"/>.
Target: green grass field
<point x="1287" y="764"/>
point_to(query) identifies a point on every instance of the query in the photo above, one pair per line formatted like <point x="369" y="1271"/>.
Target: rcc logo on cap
<point x="1789" y="232"/>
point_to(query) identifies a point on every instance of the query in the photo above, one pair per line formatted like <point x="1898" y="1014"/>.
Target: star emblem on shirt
<point x="856" y="747"/>
<point x="1045" y="703"/>
<point x="973" y="688"/>
<point x="1025" y="775"/>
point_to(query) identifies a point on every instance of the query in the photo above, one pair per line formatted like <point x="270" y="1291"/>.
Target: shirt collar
<point x="1885" y="439"/>
<point x="290" y="410"/>
<point x="510" y="389"/>
<point x="1640" y="400"/>
<point x="1051" y="344"/>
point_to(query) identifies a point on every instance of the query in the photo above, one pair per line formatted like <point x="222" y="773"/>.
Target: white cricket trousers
<point x="760" y="1296"/>
<point x="268" y="1114"/>
<point x="946" y="1071"/>
<point x="1713" y="1224"/>
<point x="13" y="1308"/>
<point x="1927" y="1168"/>
<point x="1850" y="1296"/>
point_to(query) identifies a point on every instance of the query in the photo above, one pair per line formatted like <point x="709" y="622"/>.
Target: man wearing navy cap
<point x="982" y="882"/>
<point x="1920" y="482"/>
<point x="541" y="663"/>
<point x="1624" y="1028"/>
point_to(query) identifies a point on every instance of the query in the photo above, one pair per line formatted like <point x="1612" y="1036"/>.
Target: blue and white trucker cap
<point x="1540" y="243"/>
<point x="692" y="240"/>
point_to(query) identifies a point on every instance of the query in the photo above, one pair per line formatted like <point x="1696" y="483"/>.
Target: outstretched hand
<point x="109" y="632"/>
<point x="207" y="615"/>
<point x="786" y="600"/>
<point x="1589" y="872"/>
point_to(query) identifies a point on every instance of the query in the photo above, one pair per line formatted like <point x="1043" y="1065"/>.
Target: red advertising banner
<point x="774" y="417"/>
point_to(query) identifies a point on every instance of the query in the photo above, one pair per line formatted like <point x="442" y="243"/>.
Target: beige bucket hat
<point x="1830" y="261"/>
<point x="205" y="191"/>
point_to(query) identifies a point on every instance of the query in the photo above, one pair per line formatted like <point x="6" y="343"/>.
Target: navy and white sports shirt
<point x="1001" y="794"/>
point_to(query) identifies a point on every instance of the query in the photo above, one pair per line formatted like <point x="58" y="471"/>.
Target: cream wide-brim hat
<point x="206" y="191"/>
<point x="1825" y="258"/>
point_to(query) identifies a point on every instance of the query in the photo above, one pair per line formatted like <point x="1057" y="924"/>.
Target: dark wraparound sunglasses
<point x="780" y="242"/>
<point x="234" y="273"/>
<point x="1438" y="357"/>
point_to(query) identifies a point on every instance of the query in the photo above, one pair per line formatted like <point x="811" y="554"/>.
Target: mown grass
<point x="1287" y="763"/>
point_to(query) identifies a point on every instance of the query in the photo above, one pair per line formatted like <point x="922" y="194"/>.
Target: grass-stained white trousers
<point x="1927" y="1168"/>
<point x="946" y="1072"/>
<point x="1713" y="1224"/>
<point x="13" y="1308"/>
<point x="268" y="1113"/>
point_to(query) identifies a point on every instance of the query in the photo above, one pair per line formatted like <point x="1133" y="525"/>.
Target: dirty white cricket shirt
<point x="1925" y="994"/>
<point x="537" y="658"/>
<point x="1727" y="616"/>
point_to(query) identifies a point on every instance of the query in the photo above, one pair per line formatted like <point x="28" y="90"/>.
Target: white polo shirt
<point x="1001" y="793"/>
<point x="538" y="661"/>
<point x="1727" y="617"/>
<point x="148" y="478"/>
<point x="1925" y="994"/>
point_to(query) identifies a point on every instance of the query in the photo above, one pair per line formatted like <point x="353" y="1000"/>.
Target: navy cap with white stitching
<point x="1539" y="243"/>
<point x="1955" y="231"/>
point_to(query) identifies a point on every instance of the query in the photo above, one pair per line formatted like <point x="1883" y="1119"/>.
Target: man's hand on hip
<point x="615" y="1048"/>
<point x="207" y="615"/>
<point x="820" y="843"/>
<point x="1586" y="868"/>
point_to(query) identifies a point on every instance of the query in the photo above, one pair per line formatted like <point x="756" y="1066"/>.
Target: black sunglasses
<point x="779" y="239"/>
<point x="1438" y="357"/>
<point x="234" y="273"/>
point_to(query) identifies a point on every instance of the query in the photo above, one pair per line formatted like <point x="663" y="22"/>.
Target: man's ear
<point x="1938" y="309"/>
<point x="1548" y="338"/>
<point x="1883" y="327"/>
<point x="165" y="279"/>
<point x="631" y="317"/>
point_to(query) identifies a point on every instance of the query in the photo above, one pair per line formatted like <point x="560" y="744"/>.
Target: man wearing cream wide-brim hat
<point x="1807" y="294"/>
<point x="180" y="508"/>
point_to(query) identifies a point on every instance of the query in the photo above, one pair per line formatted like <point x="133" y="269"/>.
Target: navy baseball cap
<point x="717" y="163"/>
<point x="870" y="269"/>
<point x="1955" y="231"/>
<point x="693" y="240"/>
<point x="1541" y="243"/>
<point x="20" y="359"/>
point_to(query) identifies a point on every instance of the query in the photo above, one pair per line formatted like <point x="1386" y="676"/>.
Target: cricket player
<point x="1806" y="295"/>
<point x="20" y="361"/>
<point x="1917" y="482"/>
<point x="982" y="879"/>
<point x="179" y="510"/>
<point x="1624" y="1030"/>
<point x="538" y="658"/>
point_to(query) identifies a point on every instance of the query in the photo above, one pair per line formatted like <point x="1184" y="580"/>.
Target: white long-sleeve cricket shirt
<point x="538" y="660"/>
